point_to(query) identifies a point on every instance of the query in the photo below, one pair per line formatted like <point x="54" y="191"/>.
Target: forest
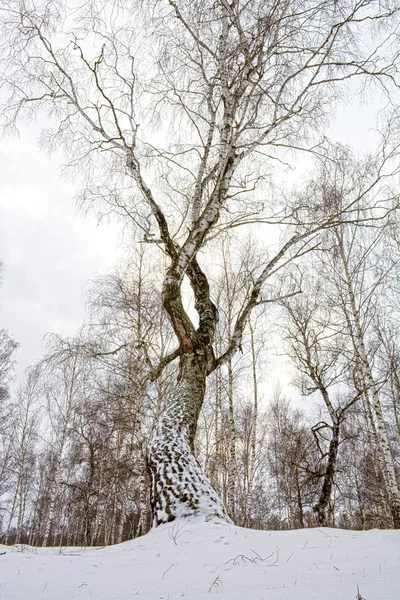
<point x="243" y="358"/>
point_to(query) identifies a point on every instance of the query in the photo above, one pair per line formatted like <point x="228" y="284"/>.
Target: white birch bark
<point x="232" y="471"/>
<point x="21" y="510"/>
<point x="143" y="522"/>
<point x="371" y="389"/>
<point x="215" y="471"/>
<point x="253" y="432"/>
<point x="52" y="499"/>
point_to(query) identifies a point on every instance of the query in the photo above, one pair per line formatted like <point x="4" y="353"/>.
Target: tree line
<point x="324" y="451"/>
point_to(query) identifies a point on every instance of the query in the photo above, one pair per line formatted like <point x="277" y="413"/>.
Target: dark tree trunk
<point x="321" y="507"/>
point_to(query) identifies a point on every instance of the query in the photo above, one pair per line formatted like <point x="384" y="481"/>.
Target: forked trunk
<point x="179" y="486"/>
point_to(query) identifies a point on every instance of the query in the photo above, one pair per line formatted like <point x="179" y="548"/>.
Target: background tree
<point x="314" y="346"/>
<point x="291" y="465"/>
<point x="8" y="347"/>
<point x="22" y="443"/>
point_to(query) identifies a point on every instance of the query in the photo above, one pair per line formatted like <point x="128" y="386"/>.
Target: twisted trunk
<point x="179" y="486"/>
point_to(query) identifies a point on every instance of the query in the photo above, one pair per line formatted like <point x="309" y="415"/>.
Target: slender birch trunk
<point x="33" y="530"/>
<point x="232" y="472"/>
<point x="53" y="494"/>
<point x="21" y="512"/>
<point x="396" y="396"/>
<point x="12" y="512"/>
<point x="253" y="432"/>
<point x="120" y="528"/>
<point x="377" y="456"/>
<point x="214" y="471"/>
<point x="143" y="523"/>
<point x="372" y="390"/>
<point x="299" y="500"/>
<point x="359" y="499"/>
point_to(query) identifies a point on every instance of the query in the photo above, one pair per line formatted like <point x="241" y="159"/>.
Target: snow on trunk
<point x="179" y="486"/>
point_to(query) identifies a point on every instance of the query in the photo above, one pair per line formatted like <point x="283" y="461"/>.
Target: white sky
<point x="50" y="252"/>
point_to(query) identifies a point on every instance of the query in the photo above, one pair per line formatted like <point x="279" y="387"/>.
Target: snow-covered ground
<point x="196" y="560"/>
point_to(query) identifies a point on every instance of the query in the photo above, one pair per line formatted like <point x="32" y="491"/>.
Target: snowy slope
<point x="195" y="560"/>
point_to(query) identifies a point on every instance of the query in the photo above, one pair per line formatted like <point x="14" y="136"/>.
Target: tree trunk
<point x="13" y="508"/>
<point x="253" y="431"/>
<point x="372" y="390"/>
<point x="359" y="499"/>
<point x="21" y="513"/>
<point x="232" y="474"/>
<point x="215" y="465"/>
<point x="52" y="501"/>
<point x="299" y="500"/>
<point x="143" y="524"/>
<point x="179" y="486"/>
<point x="321" y="507"/>
<point x="395" y="384"/>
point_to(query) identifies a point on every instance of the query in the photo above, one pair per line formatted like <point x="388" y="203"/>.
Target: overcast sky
<point x="50" y="252"/>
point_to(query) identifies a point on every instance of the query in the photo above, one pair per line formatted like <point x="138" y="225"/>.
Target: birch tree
<point x="357" y="333"/>
<point x="63" y="373"/>
<point x="351" y="266"/>
<point x="229" y="86"/>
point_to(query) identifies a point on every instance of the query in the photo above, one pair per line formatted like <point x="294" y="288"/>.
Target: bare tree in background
<point x="128" y="332"/>
<point x="7" y="350"/>
<point x="8" y="347"/>
<point x="291" y="464"/>
<point x="228" y="85"/>
<point x="315" y="349"/>
<point x="62" y="375"/>
<point x="23" y="437"/>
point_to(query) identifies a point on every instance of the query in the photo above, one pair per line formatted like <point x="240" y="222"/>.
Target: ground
<point x="197" y="560"/>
